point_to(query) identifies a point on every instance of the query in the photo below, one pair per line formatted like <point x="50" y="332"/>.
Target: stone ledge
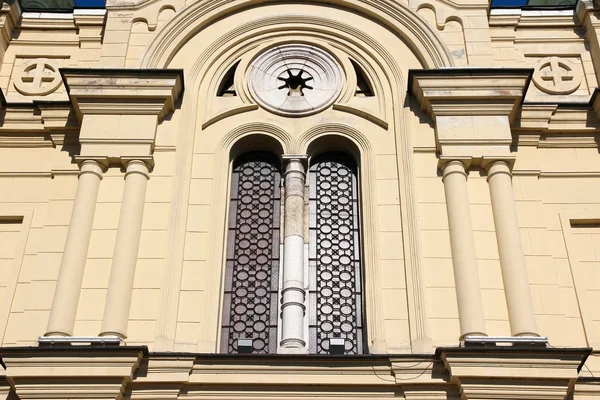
<point x="84" y="372"/>
<point x="123" y="91"/>
<point x="469" y="91"/>
<point x="517" y="372"/>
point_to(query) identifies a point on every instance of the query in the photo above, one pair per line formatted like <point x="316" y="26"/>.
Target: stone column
<point x="512" y="260"/>
<point x="70" y="277"/>
<point x="462" y="243"/>
<point x="122" y="272"/>
<point x="292" y="301"/>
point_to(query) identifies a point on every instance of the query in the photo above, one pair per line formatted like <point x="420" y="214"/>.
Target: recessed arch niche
<point x="209" y="29"/>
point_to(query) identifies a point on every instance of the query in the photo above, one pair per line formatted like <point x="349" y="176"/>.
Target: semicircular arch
<point x="420" y="37"/>
<point x="393" y="76"/>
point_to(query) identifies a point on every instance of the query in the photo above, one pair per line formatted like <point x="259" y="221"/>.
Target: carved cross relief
<point x="37" y="77"/>
<point x="555" y="75"/>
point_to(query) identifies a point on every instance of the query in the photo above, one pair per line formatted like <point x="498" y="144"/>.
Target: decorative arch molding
<point x="255" y="128"/>
<point x="242" y="43"/>
<point x="419" y="36"/>
<point x="374" y="301"/>
<point x="394" y="80"/>
<point x="316" y="132"/>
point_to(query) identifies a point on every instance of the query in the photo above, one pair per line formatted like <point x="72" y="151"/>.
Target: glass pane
<point x="252" y="251"/>
<point x="336" y="254"/>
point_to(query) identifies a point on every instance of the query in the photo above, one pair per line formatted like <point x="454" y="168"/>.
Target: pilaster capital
<point x="123" y="91"/>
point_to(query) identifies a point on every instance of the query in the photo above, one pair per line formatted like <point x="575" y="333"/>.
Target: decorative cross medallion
<point x="555" y="75"/>
<point x="37" y="77"/>
<point x="295" y="79"/>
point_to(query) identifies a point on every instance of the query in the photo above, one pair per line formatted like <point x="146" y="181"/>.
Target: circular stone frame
<point x="295" y="79"/>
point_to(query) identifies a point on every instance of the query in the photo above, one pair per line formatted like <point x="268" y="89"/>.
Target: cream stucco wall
<point x="544" y="130"/>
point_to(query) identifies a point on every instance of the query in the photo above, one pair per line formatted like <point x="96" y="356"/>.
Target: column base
<point x="120" y="335"/>
<point x="527" y="334"/>
<point x="293" y="342"/>
<point x="56" y="333"/>
<point x="293" y="350"/>
<point x="81" y="340"/>
<point x="472" y="335"/>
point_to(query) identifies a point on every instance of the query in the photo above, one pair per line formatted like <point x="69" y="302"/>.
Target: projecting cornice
<point x="115" y="372"/>
<point x="123" y="91"/>
<point x="473" y="108"/>
<point x="520" y="371"/>
<point x="470" y="91"/>
<point x="75" y="373"/>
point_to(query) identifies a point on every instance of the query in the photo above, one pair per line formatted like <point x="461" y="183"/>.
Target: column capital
<point x="454" y="167"/>
<point x="137" y="166"/>
<point x="92" y="164"/>
<point x="147" y="160"/>
<point x="445" y="161"/>
<point x="295" y="163"/>
<point x="287" y="158"/>
<point x="123" y="91"/>
<point x="493" y="164"/>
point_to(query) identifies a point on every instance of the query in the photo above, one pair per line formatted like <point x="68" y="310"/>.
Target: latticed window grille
<point x="335" y="276"/>
<point x="252" y="270"/>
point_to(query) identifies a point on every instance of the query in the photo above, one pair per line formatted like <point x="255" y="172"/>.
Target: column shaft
<point x="292" y="307"/>
<point x="462" y="243"/>
<point x="70" y="277"/>
<point x="122" y="272"/>
<point x="512" y="260"/>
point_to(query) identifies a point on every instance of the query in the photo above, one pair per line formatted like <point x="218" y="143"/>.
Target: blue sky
<point x="508" y="3"/>
<point x="89" y="3"/>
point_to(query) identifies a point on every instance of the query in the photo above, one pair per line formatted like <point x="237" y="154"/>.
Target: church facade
<point x="364" y="199"/>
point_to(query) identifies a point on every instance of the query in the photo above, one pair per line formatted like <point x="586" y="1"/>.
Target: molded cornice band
<point x="123" y="91"/>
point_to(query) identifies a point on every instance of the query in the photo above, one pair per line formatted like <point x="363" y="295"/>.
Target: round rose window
<point x="295" y="79"/>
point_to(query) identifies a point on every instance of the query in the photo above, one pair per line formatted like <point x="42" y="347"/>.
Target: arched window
<point x="335" y="276"/>
<point x="252" y="269"/>
<point x="334" y="317"/>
